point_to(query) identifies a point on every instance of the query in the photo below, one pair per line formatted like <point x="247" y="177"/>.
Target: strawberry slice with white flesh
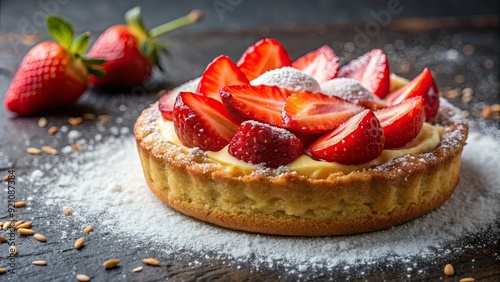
<point x="357" y="141"/>
<point x="402" y="122"/>
<point x="314" y="113"/>
<point x="267" y="54"/>
<point x="424" y="86"/>
<point x="219" y="73"/>
<point x="322" y="64"/>
<point x="203" y="122"/>
<point x="372" y="70"/>
<point x="261" y="103"/>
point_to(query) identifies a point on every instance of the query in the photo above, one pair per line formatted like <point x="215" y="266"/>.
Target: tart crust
<point x="285" y="203"/>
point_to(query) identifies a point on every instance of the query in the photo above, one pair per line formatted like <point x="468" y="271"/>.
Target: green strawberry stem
<point x="63" y="33"/>
<point x="193" y="17"/>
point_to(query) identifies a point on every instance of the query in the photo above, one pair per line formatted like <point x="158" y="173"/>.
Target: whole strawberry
<point x="52" y="74"/>
<point x="131" y="51"/>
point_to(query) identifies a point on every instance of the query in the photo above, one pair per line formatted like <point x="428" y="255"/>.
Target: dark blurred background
<point x="95" y="15"/>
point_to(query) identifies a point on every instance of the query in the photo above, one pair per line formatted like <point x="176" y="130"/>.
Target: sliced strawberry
<point x="261" y="103"/>
<point x="266" y="54"/>
<point x="372" y="70"/>
<point x="424" y="86"/>
<point x="203" y="122"/>
<point x="310" y="112"/>
<point x="322" y="64"/>
<point x="260" y="143"/>
<point x="357" y="141"/>
<point x="219" y="73"/>
<point x="401" y="122"/>
<point x="166" y="104"/>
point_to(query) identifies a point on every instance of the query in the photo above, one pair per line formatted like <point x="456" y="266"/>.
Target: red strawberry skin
<point x="219" y="73"/>
<point x="261" y="103"/>
<point x="260" y="143"/>
<point x="357" y="141"/>
<point x="166" y="104"/>
<point x="401" y="122"/>
<point x="322" y="64"/>
<point x="267" y="54"/>
<point x="314" y="113"/>
<point x="125" y="65"/>
<point x="48" y="77"/>
<point x="372" y="70"/>
<point x="424" y="86"/>
<point x="203" y="122"/>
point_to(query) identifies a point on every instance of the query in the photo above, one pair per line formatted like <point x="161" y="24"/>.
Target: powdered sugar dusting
<point x="109" y="179"/>
<point x="288" y="77"/>
<point x="348" y="89"/>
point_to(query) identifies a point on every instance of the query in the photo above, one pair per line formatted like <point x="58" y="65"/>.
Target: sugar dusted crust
<point x="285" y="203"/>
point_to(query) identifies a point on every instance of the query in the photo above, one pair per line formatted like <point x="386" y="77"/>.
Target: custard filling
<point x="426" y="141"/>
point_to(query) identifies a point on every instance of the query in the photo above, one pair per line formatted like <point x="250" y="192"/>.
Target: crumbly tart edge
<point x="285" y="203"/>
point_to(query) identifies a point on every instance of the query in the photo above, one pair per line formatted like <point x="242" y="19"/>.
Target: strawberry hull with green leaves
<point x="54" y="73"/>
<point x="131" y="51"/>
<point x="263" y="124"/>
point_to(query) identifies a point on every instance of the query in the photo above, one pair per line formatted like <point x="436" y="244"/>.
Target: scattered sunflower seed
<point x="25" y="231"/>
<point x="88" y="229"/>
<point x="40" y="237"/>
<point x="42" y="122"/>
<point x="19" y="204"/>
<point x="52" y="130"/>
<point x="82" y="278"/>
<point x="39" y="262"/>
<point x="79" y="243"/>
<point x="76" y="147"/>
<point x="151" y="261"/>
<point x="33" y="151"/>
<point x="137" y="269"/>
<point x="449" y="270"/>
<point x="103" y="117"/>
<point x="19" y="222"/>
<point x="27" y="224"/>
<point x="3" y="239"/>
<point x="7" y="224"/>
<point x="67" y="212"/>
<point x="49" y="150"/>
<point x="88" y="116"/>
<point x="3" y="270"/>
<point x="109" y="264"/>
<point x="467" y="279"/>
<point x="74" y="121"/>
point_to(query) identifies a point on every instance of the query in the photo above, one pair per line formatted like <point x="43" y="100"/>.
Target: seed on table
<point x="74" y="121"/>
<point x="25" y="231"/>
<point x="467" y="279"/>
<point x="39" y="262"/>
<point x="7" y="224"/>
<point x="137" y="269"/>
<point x="103" y="118"/>
<point x="151" y="261"/>
<point x="19" y="222"/>
<point x="109" y="264"/>
<point x="76" y="147"/>
<point x="42" y="122"/>
<point x="27" y="224"/>
<point x="449" y="270"/>
<point x="67" y="212"/>
<point x="19" y="204"/>
<point x="13" y="250"/>
<point x="5" y="177"/>
<point x="52" y="130"/>
<point x="3" y="239"/>
<point x="79" y="243"/>
<point x="3" y="270"/>
<point x="40" y="237"/>
<point x="33" y="151"/>
<point x="88" y="229"/>
<point x="89" y="116"/>
<point x="49" y="150"/>
<point x="82" y="278"/>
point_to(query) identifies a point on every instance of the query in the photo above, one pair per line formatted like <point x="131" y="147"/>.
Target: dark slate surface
<point x="190" y="52"/>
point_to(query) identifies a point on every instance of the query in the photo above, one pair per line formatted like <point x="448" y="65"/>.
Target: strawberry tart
<point x="304" y="147"/>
